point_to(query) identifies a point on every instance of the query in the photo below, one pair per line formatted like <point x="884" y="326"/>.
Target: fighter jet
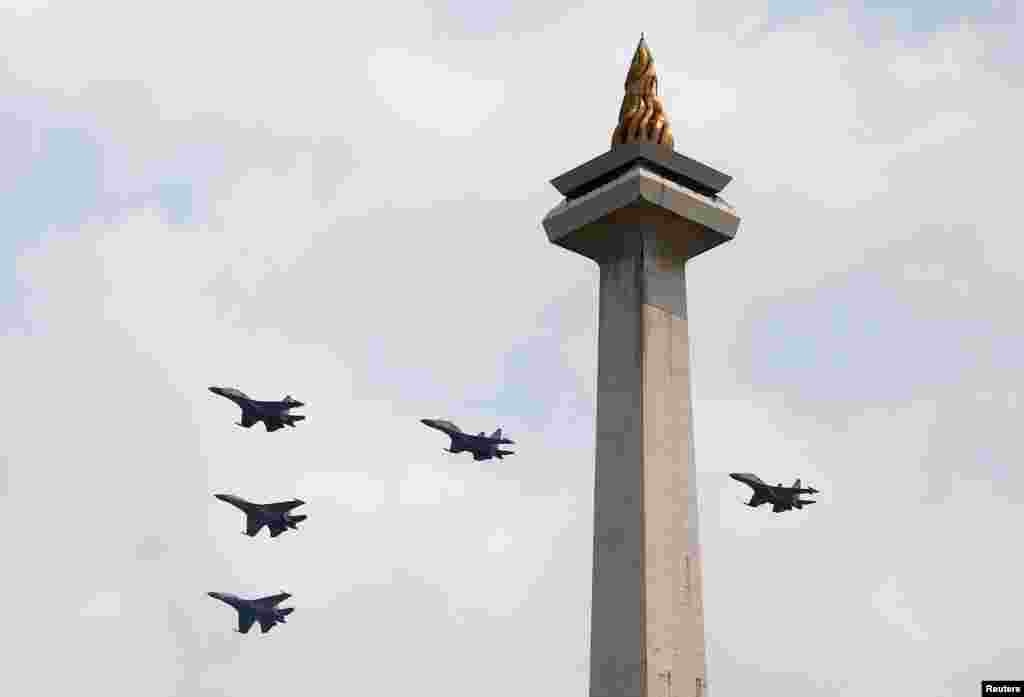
<point x="782" y="498"/>
<point x="482" y="446"/>
<point x="264" y="610"/>
<point x="274" y="415"/>
<point x="274" y="515"/>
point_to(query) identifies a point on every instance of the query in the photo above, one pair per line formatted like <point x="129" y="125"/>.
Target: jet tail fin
<point x="502" y="453"/>
<point x="286" y="611"/>
<point x="496" y="434"/>
<point x="796" y="484"/>
<point x="292" y="520"/>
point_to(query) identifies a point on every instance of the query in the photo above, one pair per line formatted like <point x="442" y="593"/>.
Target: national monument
<point x="641" y="211"/>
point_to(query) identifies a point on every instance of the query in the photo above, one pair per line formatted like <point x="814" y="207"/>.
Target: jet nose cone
<point x="214" y="595"/>
<point x="734" y="475"/>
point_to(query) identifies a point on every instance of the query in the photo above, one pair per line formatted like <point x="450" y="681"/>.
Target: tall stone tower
<point x="641" y="211"/>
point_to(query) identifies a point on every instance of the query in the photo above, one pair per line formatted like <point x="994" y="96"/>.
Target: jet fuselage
<point x="482" y="446"/>
<point x="274" y="414"/>
<point x="262" y="610"/>
<point x="782" y="498"/>
<point x="276" y="516"/>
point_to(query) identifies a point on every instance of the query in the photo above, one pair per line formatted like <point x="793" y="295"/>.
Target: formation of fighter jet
<point x="782" y="498"/>
<point x="262" y="610"/>
<point x="274" y="415"/>
<point x="275" y="516"/>
<point x="482" y="446"/>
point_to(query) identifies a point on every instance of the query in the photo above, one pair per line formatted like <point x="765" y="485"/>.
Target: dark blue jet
<point x="263" y="610"/>
<point x="782" y="498"/>
<point x="274" y="415"/>
<point x="482" y="446"/>
<point x="274" y="515"/>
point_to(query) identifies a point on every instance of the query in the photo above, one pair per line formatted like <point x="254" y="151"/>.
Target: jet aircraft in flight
<point x="482" y="446"/>
<point x="263" y="610"/>
<point x="782" y="498"/>
<point x="274" y="415"/>
<point x="275" y="516"/>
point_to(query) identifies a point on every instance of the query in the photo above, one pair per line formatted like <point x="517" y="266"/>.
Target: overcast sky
<point x="344" y="205"/>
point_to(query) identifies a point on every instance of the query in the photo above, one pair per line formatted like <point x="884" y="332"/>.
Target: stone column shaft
<point x="647" y="629"/>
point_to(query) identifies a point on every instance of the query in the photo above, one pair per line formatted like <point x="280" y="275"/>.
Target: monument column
<point x="640" y="211"/>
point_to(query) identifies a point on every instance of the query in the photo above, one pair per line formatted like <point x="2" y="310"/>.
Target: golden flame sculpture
<point x="641" y="117"/>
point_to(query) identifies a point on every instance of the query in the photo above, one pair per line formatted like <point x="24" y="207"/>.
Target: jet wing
<point x="751" y="480"/>
<point x="442" y="425"/>
<point x="248" y="420"/>
<point x="266" y="624"/>
<point x="481" y="456"/>
<point x="253" y="525"/>
<point x="231" y="393"/>
<point x="245" y="620"/>
<point x="272" y="600"/>
<point x="273" y="424"/>
<point x="779" y="507"/>
<point x="277" y="528"/>
<point x="236" y="501"/>
<point x="284" y="506"/>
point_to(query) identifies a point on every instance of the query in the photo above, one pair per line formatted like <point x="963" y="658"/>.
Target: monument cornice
<point x="583" y="224"/>
<point x="669" y="164"/>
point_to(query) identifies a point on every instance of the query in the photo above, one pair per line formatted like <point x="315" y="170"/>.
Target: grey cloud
<point x="919" y="315"/>
<point x="391" y="272"/>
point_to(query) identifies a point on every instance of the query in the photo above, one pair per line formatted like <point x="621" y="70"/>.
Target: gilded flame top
<point x="641" y="117"/>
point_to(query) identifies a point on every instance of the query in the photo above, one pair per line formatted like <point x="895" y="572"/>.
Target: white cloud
<point x="425" y="485"/>
<point x="103" y="604"/>
<point x="892" y="604"/>
<point x="430" y="95"/>
<point x="362" y="255"/>
<point x="354" y="489"/>
<point x="498" y="542"/>
<point x="939" y="131"/>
